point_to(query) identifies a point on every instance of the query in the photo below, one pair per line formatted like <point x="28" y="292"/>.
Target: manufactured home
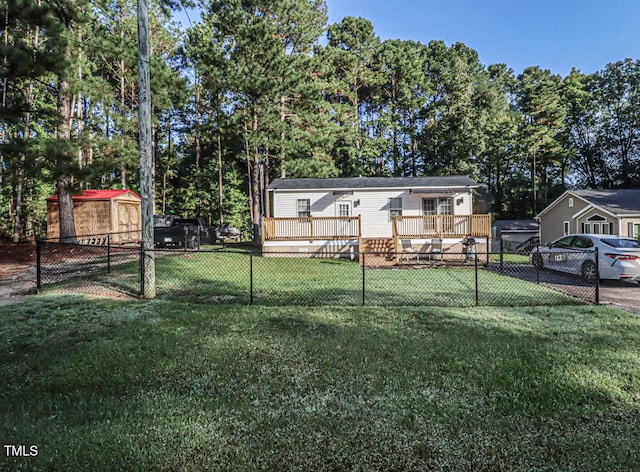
<point x="363" y="214"/>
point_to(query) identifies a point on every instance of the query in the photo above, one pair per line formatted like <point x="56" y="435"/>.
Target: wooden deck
<point x="442" y="226"/>
<point x="350" y="227"/>
<point x="311" y="228"/>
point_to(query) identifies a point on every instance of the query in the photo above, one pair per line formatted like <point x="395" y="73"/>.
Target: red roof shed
<point x="99" y="213"/>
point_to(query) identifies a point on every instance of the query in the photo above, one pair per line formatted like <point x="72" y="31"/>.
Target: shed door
<point x="128" y="221"/>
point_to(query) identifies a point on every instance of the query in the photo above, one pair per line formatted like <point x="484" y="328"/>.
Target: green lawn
<point x="214" y="277"/>
<point x="110" y="385"/>
<point x="510" y="258"/>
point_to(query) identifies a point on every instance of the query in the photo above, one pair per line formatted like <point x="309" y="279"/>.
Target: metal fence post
<point x="38" y="265"/>
<point x="108" y="253"/>
<point x="141" y="268"/>
<point x="364" y="265"/>
<point x="477" y="288"/>
<point x="251" y="278"/>
<point x="501" y="256"/>
<point x="597" y="281"/>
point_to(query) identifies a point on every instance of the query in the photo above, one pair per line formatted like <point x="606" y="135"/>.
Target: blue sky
<point x="555" y="35"/>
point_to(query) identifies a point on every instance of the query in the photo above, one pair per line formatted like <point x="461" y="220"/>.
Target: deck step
<point x="383" y="249"/>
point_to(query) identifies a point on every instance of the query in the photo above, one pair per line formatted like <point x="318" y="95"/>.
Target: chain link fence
<point x="96" y="266"/>
<point x="377" y="279"/>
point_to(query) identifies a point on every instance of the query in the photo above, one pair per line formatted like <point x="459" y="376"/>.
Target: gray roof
<point x="350" y="183"/>
<point x="517" y="225"/>
<point x="618" y="202"/>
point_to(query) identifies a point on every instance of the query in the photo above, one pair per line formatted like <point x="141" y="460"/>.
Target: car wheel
<point x="589" y="271"/>
<point x="536" y="260"/>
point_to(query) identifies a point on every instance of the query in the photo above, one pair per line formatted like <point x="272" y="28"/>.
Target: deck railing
<point x="346" y="227"/>
<point x="310" y="228"/>
<point x="442" y="226"/>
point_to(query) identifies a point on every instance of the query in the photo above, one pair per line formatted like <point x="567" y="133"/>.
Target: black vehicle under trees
<point x="176" y="232"/>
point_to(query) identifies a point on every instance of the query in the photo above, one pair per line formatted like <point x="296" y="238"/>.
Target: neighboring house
<point x="591" y="211"/>
<point x="371" y="213"/>
<point x="515" y="235"/>
<point x="99" y="213"/>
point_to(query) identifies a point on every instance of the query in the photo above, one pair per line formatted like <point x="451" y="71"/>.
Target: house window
<point x="395" y="206"/>
<point x="437" y="206"/>
<point x="429" y="206"/>
<point x="570" y="202"/>
<point x="566" y="227"/>
<point x="304" y="208"/>
<point x="445" y="206"/>
<point x="597" y="224"/>
<point x="344" y="209"/>
<point x="634" y="230"/>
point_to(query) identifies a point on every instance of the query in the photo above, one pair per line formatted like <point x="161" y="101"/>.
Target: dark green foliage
<point x="253" y="88"/>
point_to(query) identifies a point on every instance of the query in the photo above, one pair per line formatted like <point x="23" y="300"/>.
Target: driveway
<point x="624" y="295"/>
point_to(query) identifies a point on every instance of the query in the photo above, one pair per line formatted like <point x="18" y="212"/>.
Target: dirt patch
<point x="18" y="272"/>
<point x="17" y="268"/>
<point x="14" y="255"/>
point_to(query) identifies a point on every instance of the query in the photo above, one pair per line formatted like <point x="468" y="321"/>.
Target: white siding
<point x="373" y="207"/>
<point x="374" y="211"/>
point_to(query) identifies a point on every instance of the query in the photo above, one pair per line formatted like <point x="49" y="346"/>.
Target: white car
<point x="618" y="257"/>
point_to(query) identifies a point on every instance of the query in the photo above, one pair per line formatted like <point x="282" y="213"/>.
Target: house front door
<point x="344" y="228"/>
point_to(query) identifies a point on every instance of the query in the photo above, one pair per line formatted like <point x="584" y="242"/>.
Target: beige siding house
<point x="591" y="211"/>
<point x="366" y="213"/>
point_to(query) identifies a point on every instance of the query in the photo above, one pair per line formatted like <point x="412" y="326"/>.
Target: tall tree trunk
<point x="283" y="136"/>
<point x="220" y="192"/>
<point x="17" y="224"/>
<point x="4" y="87"/>
<point x="254" y="183"/>
<point x="248" y="155"/>
<point x="197" y="130"/>
<point x="122" y="70"/>
<point x="265" y="193"/>
<point x="79" y="113"/>
<point x="63" y="185"/>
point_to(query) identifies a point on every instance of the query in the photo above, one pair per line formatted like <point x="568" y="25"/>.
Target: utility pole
<point x="535" y="193"/>
<point x="146" y="161"/>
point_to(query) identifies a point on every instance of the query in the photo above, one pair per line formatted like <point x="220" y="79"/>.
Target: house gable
<point x="565" y="197"/>
<point x="554" y="218"/>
